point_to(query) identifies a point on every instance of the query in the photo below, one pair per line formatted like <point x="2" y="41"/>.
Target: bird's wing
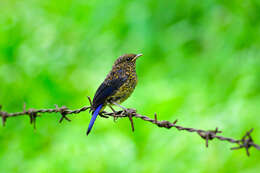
<point x="107" y="89"/>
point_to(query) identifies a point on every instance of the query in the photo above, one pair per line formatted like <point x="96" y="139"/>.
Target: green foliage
<point x="201" y="65"/>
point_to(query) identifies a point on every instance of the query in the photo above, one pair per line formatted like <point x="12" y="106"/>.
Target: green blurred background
<point x="201" y="65"/>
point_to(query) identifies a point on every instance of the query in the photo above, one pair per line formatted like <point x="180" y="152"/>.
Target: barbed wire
<point x="246" y="142"/>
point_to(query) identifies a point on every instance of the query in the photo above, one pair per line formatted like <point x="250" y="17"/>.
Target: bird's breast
<point x="126" y="89"/>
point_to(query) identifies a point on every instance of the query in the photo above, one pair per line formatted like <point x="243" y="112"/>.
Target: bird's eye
<point x="128" y="59"/>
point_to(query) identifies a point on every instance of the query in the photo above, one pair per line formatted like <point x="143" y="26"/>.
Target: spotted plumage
<point x="117" y="86"/>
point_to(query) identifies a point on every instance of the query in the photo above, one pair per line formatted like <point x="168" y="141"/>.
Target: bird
<point x="118" y="85"/>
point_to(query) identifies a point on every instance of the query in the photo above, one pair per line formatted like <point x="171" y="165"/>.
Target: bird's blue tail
<point x="93" y="119"/>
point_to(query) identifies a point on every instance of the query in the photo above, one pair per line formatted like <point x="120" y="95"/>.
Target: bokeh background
<point x="201" y="65"/>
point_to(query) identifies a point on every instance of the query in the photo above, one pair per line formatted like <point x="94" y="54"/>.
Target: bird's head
<point x="127" y="60"/>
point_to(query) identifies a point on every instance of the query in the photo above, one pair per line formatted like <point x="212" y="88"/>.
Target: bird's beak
<point x="137" y="56"/>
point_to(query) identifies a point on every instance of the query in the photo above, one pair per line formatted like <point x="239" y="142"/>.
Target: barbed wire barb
<point x="246" y="142"/>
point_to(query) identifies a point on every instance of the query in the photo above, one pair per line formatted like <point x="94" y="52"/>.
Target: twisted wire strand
<point x="246" y="142"/>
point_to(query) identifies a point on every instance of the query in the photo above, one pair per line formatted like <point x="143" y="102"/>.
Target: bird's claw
<point x="103" y="116"/>
<point x="114" y="113"/>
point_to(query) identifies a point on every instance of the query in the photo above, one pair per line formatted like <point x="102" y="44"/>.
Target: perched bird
<point x="117" y="86"/>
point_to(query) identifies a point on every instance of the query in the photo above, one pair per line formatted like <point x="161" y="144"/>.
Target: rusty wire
<point x="246" y="141"/>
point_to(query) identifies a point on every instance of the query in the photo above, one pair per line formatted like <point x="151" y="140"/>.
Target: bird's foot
<point x="102" y="115"/>
<point x="114" y="113"/>
<point x="128" y="112"/>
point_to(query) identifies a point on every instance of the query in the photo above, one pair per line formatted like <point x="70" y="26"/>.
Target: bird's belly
<point x="124" y="91"/>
